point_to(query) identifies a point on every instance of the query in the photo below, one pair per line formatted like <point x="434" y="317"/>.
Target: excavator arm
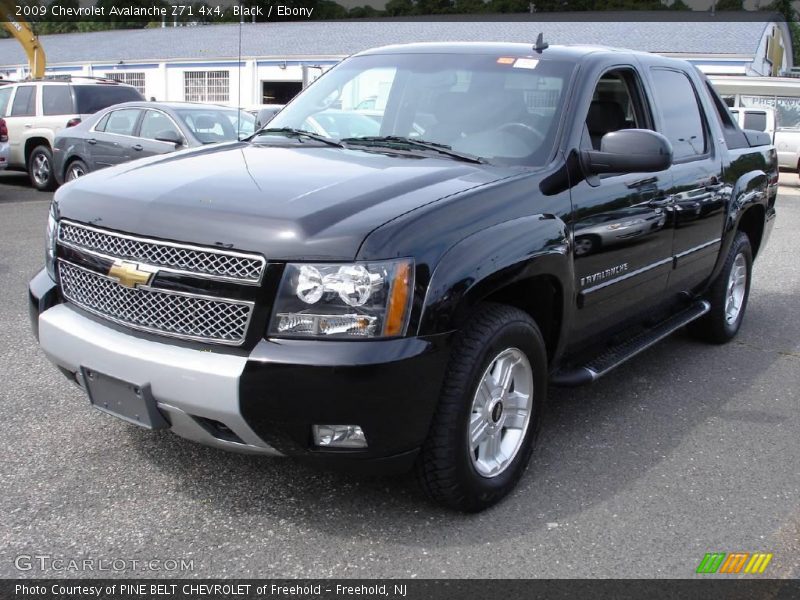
<point x="21" y="30"/>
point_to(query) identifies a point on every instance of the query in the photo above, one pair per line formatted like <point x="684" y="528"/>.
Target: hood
<point x="290" y="201"/>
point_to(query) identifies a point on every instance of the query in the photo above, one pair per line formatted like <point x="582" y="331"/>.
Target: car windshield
<point x="212" y="125"/>
<point x="502" y="109"/>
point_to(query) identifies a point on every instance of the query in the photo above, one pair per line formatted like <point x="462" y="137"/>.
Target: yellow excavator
<point x="21" y="30"/>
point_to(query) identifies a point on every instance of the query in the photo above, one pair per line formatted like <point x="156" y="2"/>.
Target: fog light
<point x="339" y="436"/>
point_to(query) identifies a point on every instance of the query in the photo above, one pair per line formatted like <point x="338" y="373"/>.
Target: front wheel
<point x="40" y="169"/>
<point x="489" y="413"/>
<point x="728" y="295"/>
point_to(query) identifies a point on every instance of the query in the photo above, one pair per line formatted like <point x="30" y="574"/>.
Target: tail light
<point x="73" y="122"/>
<point x="3" y="131"/>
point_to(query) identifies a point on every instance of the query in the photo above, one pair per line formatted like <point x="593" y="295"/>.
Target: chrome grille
<point x="181" y="258"/>
<point x="208" y="319"/>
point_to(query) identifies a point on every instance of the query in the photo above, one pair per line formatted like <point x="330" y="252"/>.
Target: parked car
<point x="134" y="130"/>
<point x="386" y="302"/>
<point x="35" y="111"/>
<point x="264" y="112"/>
<point x="617" y="227"/>
<point x="3" y="144"/>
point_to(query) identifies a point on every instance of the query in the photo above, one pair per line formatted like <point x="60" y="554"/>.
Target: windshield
<point x="212" y="125"/>
<point x="502" y="109"/>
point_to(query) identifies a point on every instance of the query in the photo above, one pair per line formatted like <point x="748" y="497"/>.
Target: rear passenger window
<point x="680" y="112"/>
<point x="101" y="124"/>
<point x="122" y="122"/>
<point x="24" y="104"/>
<point x="56" y="100"/>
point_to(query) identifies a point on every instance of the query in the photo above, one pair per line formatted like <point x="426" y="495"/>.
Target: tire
<point x="76" y="168"/>
<point x="449" y="468"/>
<point x="40" y="169"/>
<point x="722" y="322"/>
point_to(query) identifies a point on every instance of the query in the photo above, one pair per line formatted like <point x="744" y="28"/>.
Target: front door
<point x="622" y="235"/>
<point x="155" y="124"/>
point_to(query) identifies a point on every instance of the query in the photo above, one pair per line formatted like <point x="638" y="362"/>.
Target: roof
<point x="342" y="38"/>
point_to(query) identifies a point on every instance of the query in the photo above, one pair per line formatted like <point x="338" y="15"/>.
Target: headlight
<point x="50" y="244"/>
<point x="344" y="300"/>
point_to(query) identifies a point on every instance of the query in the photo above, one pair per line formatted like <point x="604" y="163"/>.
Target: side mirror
<point x="629" y="151"/>
<point x="170" y="137"/>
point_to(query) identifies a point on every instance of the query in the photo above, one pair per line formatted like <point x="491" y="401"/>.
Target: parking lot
<point x="686" y="449"/>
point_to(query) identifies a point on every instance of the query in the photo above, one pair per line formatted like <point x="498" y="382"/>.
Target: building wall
<point x="166" y="81"/>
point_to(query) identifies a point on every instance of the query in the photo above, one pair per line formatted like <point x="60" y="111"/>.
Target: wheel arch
<point x="523" y="263"/>
<point x="33" y="142"/>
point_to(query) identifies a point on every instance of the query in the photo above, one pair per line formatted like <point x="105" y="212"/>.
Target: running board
<point x="616" y="355"/>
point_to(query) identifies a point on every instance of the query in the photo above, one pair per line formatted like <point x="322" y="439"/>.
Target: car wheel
<point x="728" y="295"/>
<point x="77" y="168"/>
<point x="40" y="169"/>
<point x="489" y="412"/>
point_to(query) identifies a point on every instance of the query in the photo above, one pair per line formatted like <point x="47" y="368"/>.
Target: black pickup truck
<point x="396" y="287"/>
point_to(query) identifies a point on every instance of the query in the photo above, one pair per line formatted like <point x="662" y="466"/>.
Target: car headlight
<point x="51" y="237"/>
<point x="355" y="300"/>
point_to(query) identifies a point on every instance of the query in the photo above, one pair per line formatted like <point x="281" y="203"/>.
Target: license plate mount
<point x="127" y="401"/>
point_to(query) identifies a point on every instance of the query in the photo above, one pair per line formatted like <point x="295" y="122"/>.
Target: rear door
<point x="154" y="124"/>
<point x="697" y="191"/>
<point x="111" y="139"/>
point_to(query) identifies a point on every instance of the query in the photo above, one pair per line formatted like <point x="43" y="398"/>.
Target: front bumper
<point x="267" y="400"/>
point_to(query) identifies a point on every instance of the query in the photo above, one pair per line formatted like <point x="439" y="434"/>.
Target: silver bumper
<point x="186" y="383"/>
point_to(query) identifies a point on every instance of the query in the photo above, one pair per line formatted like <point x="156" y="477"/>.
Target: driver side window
<point x="616" y="104"/>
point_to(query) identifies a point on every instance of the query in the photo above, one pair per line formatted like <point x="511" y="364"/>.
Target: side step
<point x="616" y="355"/>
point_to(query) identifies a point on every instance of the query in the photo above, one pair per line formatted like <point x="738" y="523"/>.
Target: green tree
<point x="679" y="5"/>
<point x="399" y="8"/>
<point x="730" y="5"/>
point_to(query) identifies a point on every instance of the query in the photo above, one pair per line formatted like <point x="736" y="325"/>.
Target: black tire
<point x="715" y="327"/>
<point x="41" y="169"/>
<point x="444" y="468"/>
<point x="73" y="168"/>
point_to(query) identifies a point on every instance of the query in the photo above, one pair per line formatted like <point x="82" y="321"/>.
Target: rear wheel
<point x="40" y="169"/>
<point x="489" y="412"/>
<point x="77" y="168"/>
<point x="728" y="295"/>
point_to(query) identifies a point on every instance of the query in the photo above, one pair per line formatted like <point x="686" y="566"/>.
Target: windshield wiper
<point x="392" y="140"/>
<point x="298" y="133"/>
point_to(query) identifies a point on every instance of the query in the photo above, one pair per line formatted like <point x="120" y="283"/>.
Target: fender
<point x="750" y="189"/>
<point x="492" y="259"/>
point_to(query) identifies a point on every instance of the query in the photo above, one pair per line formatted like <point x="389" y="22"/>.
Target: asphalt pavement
<point x="686" y="449"/>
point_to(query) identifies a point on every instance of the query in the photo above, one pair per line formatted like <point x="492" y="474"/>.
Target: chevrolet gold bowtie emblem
<point x="129" y="274"/>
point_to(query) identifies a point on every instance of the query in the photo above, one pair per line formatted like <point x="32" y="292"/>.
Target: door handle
<point x="661" y="202"/>
<point x="91" y="141"/>
<point x="28" y="125"/>
<point x="137" y="147"/>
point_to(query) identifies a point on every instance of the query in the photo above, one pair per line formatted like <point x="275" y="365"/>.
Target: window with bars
<point x="136" y="79"/>
<point x="206" y="86"/>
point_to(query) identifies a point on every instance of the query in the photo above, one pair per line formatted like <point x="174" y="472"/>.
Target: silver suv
<point x="35" y="110"/>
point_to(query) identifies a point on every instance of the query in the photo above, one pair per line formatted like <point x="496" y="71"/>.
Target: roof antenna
<point x="540" y="43"/>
